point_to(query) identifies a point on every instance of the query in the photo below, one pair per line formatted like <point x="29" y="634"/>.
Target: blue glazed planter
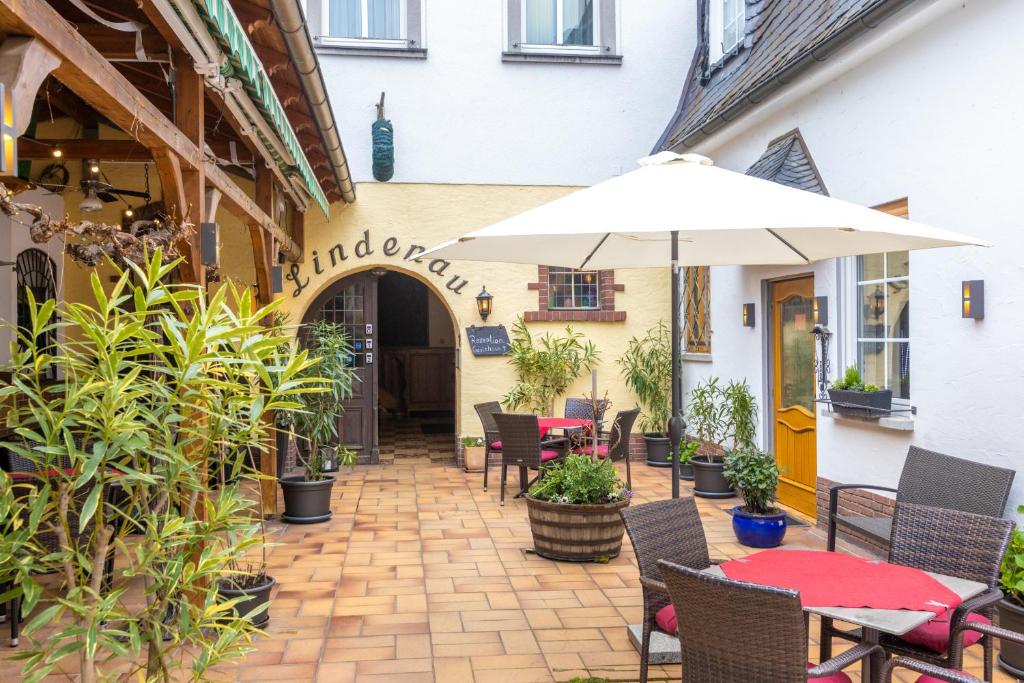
<point x="758" y="531"/>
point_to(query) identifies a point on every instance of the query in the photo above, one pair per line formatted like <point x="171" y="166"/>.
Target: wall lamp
<point x="483" y="303"/>
<point x="821" y="311"/>
<point x="209" y="244"/>
<point x="748" y="315"/>
<point x="276" y="279"/>
<point x="8" y="132"/>
<point x="972" y="299"/>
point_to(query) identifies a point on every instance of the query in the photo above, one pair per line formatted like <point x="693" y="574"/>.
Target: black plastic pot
<point x="861" y="403"/>
<point x="255" y="604"/>
<point x="708" y="478"/>
<point x="1011" y="655"/>
<point x="686" y="472"/>
<point x="659" y="446"/>
<point x="306" y="502"/>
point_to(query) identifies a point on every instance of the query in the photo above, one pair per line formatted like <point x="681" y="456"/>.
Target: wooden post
<point x="189" y="102"/>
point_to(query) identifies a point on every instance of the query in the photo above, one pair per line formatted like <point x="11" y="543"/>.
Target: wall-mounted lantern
<point x="821" y="310"/>
<point x="209" y="244"/>
<point x="276" y="279"/>
<point x="748" y="315"/>
<point x="8" y="131"/>
<point x="483" y="303"/>
<point x="972" y="299"/>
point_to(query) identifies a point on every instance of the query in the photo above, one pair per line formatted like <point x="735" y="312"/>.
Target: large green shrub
<point x="647" y="368"/>
<point x="756" y="476"/>
<point x="155" y="384"/>
<point x="546" y="367"/>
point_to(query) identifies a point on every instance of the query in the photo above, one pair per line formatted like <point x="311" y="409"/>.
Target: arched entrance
<point x="404" y="338"/>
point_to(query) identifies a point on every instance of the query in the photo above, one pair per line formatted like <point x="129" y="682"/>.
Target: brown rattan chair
<point x="583" y="409"/>
<point x="492" y="440"/>
<point x="616" y="444"/>
<point x="521" y="447"/>
<point x="934" y="674"/>
<point x="735" y="631"/>
<point x="933" y="479"/>
<point x="950" y="542"/>
<point x="664" y="530"/>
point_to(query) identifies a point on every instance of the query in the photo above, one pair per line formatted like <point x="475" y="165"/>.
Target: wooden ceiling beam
<point x="111" y="150"/>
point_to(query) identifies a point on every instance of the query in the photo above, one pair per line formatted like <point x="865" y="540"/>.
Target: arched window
<point x="36" y="272"/>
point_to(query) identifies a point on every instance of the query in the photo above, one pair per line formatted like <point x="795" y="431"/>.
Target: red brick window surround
<point x="605" y="311"/>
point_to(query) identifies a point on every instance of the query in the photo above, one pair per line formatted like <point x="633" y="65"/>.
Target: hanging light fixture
<point x="90" y="202"/>
<point x="483" y="303"/>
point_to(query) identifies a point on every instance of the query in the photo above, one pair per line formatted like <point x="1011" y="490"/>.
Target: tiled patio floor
<point x="421" y="576"/>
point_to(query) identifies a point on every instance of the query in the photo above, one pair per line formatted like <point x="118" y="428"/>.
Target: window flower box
<point x="861" y="403"/>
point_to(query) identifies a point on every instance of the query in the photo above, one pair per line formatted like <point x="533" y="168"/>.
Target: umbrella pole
<point x="676" y="425"/>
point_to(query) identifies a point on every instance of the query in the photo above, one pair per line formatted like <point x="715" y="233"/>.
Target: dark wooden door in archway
<point x="352" y="302"/>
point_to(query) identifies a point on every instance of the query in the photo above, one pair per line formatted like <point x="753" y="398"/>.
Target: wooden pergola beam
<point x="111" y="150"/>
<point x="88" y="73"/>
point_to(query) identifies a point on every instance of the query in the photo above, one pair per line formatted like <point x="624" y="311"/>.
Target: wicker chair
<point x="936" y="674"/>
<point x="492" y="440"/>
<point x="616" y="444"/>
<point x="735" y="631"/>
<point x="521" y="447"/>
<point x="950" y="542"/>
<point x="664" y="530"/>
<point x="933" y="479"/>
<point x="583" y="409"/>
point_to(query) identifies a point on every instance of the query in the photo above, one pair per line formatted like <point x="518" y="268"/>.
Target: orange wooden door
<point x="793" y="401"/>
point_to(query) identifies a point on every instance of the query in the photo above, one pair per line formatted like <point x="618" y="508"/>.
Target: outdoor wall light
<point x="9" y="162"/>
<point x="972" y="299"/>
<point x="821" y="310"/>
<point x="483" y="303"/>
<point x="276" y="279"/>
<point x="748" y="315"/>
<point x="209" y="244"/>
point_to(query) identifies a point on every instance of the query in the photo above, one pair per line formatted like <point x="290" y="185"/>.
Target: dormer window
<point x="726" y="27"/>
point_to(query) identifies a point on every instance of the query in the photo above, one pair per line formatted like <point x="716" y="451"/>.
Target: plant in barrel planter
<point x="1010" y="609"/>
<point x="574" y="510"/>
<point x="307" y="497"/>
<point x="473" y="454"/>
<point x="850" y="396"/>
<point x="647" y="368"/>
<point x="758" y="523"/>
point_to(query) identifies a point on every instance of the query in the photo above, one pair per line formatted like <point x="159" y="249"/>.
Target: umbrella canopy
<point x="722" y="217"/>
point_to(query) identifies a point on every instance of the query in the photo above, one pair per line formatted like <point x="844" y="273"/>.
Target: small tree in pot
<point x="545" y="367"/>
<point x="722" y="419"/>
<point x="758" y="523"/>
<point x="647" y="368"/>
<point x="1011" y="608"/>
<point x="307" y="497"/>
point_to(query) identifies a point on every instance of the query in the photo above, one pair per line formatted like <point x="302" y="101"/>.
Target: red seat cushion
<point x="602" y="450"/>
<point x="549" y="455"/>
<point x="666" y="619"/>
<point x="834" y="678"/>
<point x="495" y="445"/>
<point x="932" y="679"/>
<point x="934" y="635"/>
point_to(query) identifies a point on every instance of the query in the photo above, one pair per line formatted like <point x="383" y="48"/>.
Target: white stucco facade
<point x="935" y="117"/>
<point x="462" y="115"/>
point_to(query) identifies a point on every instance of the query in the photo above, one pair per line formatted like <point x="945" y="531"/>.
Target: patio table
<point x="546" y="424"/>
<point x="873" y="621"/>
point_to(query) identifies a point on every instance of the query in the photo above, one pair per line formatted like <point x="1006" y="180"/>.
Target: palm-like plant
<point x="647" y="368"/>
<point x="546" y="367"/>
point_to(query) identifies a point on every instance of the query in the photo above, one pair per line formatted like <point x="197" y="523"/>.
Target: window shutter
<point x="515" y="24"/>
<point x="414" y="23"/>
<point x="609" y="24"/>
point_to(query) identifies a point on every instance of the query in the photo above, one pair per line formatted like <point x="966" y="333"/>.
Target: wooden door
<point x="352" y="302"/>
<point x="793" y="401"/>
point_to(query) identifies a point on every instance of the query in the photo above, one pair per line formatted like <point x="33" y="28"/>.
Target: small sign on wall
<point x="488" y="340"/>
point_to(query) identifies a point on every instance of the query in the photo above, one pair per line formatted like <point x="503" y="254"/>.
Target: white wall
<point x="463" y="116"/>
<point x="937" y="118"/>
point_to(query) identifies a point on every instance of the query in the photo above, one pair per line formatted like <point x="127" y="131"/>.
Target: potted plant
<point x="850" y="396"/>
<point x="722" y="419"/>
<point x="249" y="586"/>
<point x="1010" y="610"/>
<point x="473" y="454"/>
<point x="545" y="367"/>
<point x="758" y="523"/>
<point x="687" y="449"/>
<point x="647" y="368"/>
<point x="574" y="510"/>
<point x="307" y="497"/>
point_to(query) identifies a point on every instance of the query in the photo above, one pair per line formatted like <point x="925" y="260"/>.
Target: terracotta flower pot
<point x="473" y="458"/>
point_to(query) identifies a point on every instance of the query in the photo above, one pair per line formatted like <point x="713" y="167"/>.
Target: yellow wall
<point x="426" y="215"/>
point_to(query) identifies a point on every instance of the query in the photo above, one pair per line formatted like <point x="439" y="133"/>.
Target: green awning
<point x="247" y="67"/>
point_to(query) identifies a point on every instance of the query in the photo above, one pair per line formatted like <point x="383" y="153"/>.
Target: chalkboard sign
<point x="488" y="341"/>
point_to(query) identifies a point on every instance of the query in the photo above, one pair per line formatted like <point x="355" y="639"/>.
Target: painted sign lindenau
<point x="366" y="247"/>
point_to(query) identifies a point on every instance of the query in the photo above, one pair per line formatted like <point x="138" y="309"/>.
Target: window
<point x="572" y="289"/>
<point x="883" y="316"/>
<point x="559" y="22"/>
<point x="733" y="20"/>
<point x="697" y="309"/>
<point x="380" y="20"/>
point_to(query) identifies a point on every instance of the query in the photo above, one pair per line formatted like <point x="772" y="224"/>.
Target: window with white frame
<point x="734" y="13"/>
<point x="883" y="321"/>
<point x="569" y="24"/>
<point x="573" y="289"/>
<point x="364" y="20"/>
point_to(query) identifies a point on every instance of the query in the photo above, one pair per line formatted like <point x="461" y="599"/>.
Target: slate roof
<point x="787" y="162"/>
<point x="780" y="35"/>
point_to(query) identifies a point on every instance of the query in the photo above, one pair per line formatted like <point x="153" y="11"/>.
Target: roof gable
<point x="788" y="162"/>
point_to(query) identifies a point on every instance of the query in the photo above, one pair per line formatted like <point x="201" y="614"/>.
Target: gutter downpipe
<point x="292" y="22"/>
<point x="767" y="97"/>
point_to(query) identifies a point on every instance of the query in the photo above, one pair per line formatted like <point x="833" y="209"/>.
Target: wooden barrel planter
<point x="578" y="533"/>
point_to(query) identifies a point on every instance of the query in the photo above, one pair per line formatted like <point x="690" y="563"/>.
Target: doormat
<point x="790" y="519"/>
<point x="438" y="428"/>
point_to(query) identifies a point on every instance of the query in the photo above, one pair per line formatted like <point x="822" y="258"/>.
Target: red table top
<point x="827" y="579"/>
<point x="546" y="424"/>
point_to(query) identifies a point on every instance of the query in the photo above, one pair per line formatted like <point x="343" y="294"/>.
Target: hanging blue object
<point x="383" y="146"/>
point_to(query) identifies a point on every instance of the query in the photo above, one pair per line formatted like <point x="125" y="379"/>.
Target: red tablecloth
<point x="838" y="580"/>
<point x="546" y="424"/>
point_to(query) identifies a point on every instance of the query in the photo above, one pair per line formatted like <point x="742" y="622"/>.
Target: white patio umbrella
<point x="682" y="210"/>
